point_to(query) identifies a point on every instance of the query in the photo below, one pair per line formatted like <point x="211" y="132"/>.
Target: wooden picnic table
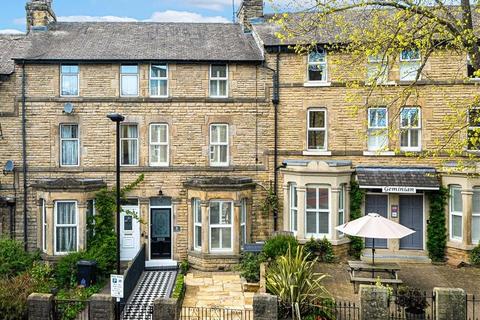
<point x="391" y="269"/>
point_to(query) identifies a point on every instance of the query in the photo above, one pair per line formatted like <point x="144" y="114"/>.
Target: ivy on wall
<point x="436" y="230"/>
<point x="356" y="199"/>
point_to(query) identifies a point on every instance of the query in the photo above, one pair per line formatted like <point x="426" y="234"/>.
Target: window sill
<point x="388" y="83"/>
<point x="406" y="150"/>
<point x="474" y="79"/>
<point x="316" y="153"/>
<point x="317" y="84"/>
<point x="379" y="153"/>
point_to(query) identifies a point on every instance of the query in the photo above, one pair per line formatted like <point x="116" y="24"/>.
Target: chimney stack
<point x="39" y="14"/>
<point x="248" y="10"/>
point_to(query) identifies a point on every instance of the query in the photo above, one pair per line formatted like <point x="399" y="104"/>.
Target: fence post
<point x="373" y="303"/>
<point x="102" y="307"/>
<point x="166" y="309"/>
<point x="40" y="306"/>
<point x="450" y="304"/>
<point x="265" y="307"/>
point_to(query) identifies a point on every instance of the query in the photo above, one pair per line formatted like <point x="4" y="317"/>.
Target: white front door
<point x="129" y="233"/>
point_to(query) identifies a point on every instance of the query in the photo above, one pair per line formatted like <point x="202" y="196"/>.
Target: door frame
<point x="388" y="210"/>
<point x="150" y="207"/>
<point x="424" y="221"/>
<point x="129" y="207"/>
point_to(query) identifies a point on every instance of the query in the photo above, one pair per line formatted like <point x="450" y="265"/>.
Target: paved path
<point x="212" y="290"/>
<point x="152" y="285"/>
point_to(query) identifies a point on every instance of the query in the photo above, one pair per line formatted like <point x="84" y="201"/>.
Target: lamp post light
<point x="117" y="118"/>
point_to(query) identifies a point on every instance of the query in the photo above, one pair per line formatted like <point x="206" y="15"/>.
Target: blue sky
<point x="12" y="15"/>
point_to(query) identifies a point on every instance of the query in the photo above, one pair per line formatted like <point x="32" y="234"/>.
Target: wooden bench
<point x="359" y="280"/>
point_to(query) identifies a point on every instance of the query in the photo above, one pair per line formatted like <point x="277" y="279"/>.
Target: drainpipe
<point x="24" y="156"/>
<point x="276" y="101"/>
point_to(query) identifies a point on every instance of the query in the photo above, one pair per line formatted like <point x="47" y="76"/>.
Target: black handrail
<point x="133" y="273"/>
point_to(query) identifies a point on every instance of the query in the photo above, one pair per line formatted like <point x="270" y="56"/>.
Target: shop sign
<point x="395" y="189"/>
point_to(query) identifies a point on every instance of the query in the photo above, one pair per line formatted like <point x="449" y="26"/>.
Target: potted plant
<point x="413" y="301"/>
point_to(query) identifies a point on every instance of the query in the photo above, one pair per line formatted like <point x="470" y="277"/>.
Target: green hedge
<point x="436" y="230"/>
<point x="356" y="199"/>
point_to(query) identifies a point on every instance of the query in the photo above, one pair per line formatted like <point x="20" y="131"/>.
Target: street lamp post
<point x="117" y="118"/>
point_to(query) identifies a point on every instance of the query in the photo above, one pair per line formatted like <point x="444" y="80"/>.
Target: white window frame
<point x="137" y="75"/>
<point x="324" y="65"/>
<point x="218" y="80"/>
<point x="69" y="74"/>
<point x="473" y="128"/>
<point x="383" y="129"/>
<point x="378" y="66"/>
<point x="214" y="145"/>
<point x="243" y="222"/>
<point x="153" y="144"/>
<point x="220" y="226"/>
<point x="196" y="205"/>
<point x="315" y="129"/>
<point x="409" y="129"/>
<point x="475" y="214"/>
<point x="317" y="212"/>
<point x="77" y="140"/>
<point x="159" y="79"/>
<point x="44" y="224"/>
<point x="121" y="145"/>
<point x="408" y="63"/>
<point x="293" y="210"/>
<point x="455" y="213"/>
<point x="56" y="225"/>
<point x="341" y="207"/>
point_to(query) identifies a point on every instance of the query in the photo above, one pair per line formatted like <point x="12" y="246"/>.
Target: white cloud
<point x="216" y="5"/>
<point x="10" y="31"/>
<point x="184" y="16"/>
<point x="159" y="16"/>
<point x="95" y="19"/>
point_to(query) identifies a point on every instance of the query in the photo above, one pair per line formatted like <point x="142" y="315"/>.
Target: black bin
<point x="86" y="272"/>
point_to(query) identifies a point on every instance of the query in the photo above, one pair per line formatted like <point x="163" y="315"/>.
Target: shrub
<point x="321" y="249"/>
<point x="103" y="252"/>
<point x="356" y="247"/>
<point x="436" y="230"/>
<point x="475" y="256"/>
<point x="13" y="258"/>
<point x="278" y="246"/>
<point x="411" y="299"/>
<point x="293" y="279"/>
<point x="250" y="266"/>
<point x="66" y="269"/>
<point x="14" y="292"/>
<point x="42" y="275"/>
<point x="184" y="266"/>
<point x="179" y="285"/>
<point x="356" y="198"/>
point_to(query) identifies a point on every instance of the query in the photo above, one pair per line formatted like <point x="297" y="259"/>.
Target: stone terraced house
<point x="212" y="128"/>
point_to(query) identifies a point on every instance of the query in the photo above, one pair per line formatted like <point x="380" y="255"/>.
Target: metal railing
<point x="473" y="307"/>
<point x="338" y="310"/>
<point x="398" y="309"/>
<point x="197" y="313"/>
<point x="64" y="309"/>
<point x="133" y="273"/>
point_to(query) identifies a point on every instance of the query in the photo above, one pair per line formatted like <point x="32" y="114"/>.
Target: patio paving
<point x="422" y="276"/>
<point x="216" y="290"/>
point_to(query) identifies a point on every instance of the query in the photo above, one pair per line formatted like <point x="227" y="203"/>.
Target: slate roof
<point x="10" y="46"/>
<point x="142" y="41"/>
<point x="418" y="177"/>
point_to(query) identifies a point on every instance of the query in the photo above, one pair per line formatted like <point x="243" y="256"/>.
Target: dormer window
<point x="317" y="66"/>
<point x="410" y="62"/>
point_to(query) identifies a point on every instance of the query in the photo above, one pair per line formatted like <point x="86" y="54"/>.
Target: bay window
<point x="66" y="228"/>
<point x="341" y="206"/>
<point x="456" y="213"/>
<point x="293" y="207"/>
<point x="410" y="62"/>
<point x="218" y="81"/>
<point x="243" y="222"/>
<point x="129" y="80"/>
<point x="197" y="224"/>
<point x="43" y="213"/>
<point x="159" y="80"/>
<point x="317" y="129"/>
<point x="219" y="145"/>
<point x="410" y="129"/>
<point x="221" y="213"/>
<point x="476" y="215"/>
<point x="69" y="145"/>
<point x="377" y="129"/>
<point x="69" y="80"/>
<point x="317" y="212"/>
<point x="317" y="66"/>
<point x="129" y="144"/>
<point x="159" y="145"/>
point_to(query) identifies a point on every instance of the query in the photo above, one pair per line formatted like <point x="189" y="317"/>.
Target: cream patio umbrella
<point x="375" y="226"/>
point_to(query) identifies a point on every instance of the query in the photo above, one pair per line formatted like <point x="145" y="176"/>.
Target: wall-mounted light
<point x="160" y="193"/>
